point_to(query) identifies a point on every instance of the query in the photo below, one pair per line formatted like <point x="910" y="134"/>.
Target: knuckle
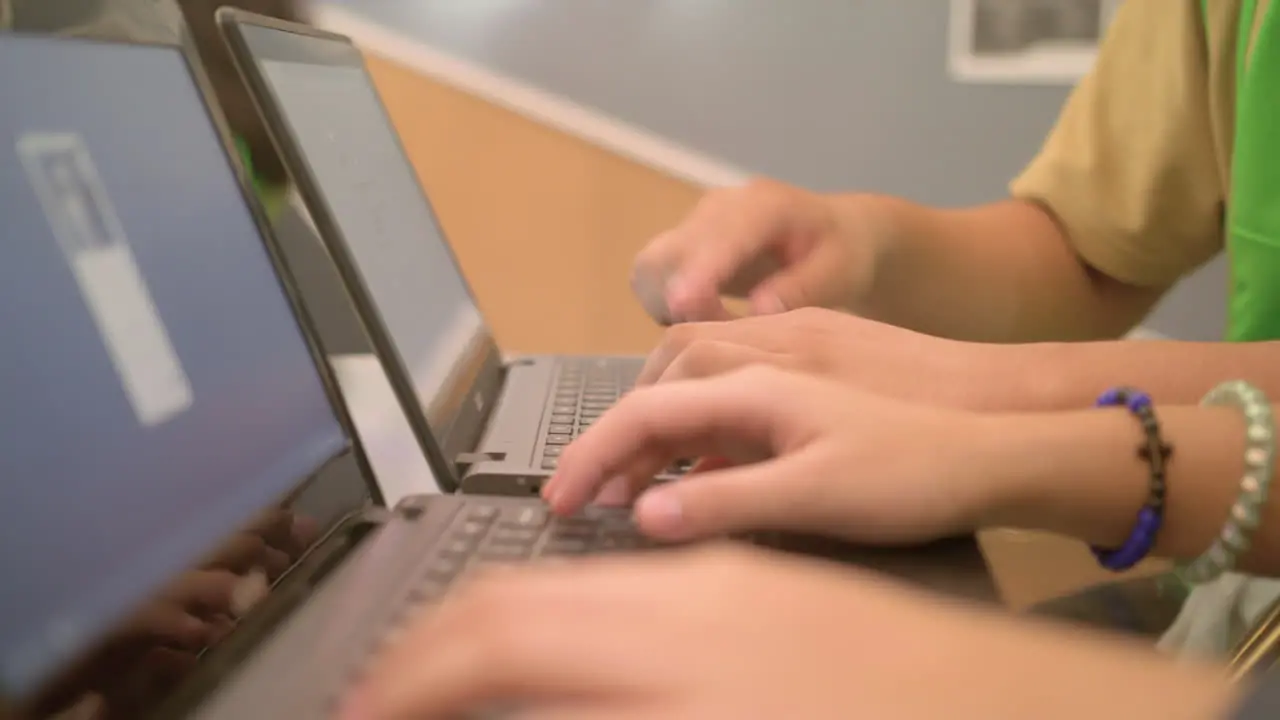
<point x="698" y="359"/>
<point x="676" y="337"/>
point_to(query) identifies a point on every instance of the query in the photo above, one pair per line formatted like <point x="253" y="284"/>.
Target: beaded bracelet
<point x="1156" y="453"/>
<point x="1255" y="484"/>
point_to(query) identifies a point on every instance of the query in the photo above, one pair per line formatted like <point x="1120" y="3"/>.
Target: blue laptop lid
<point x="157" y="389"/>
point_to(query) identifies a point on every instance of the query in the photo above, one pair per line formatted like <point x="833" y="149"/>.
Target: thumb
<point x="759" y="496"/>
<point x="814" y="280"/>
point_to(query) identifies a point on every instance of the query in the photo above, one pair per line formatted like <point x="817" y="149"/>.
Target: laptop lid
<point x="160" y="391"/>
<point x="338" y="142"/>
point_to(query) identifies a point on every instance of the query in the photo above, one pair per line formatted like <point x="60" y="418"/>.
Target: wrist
<point x="1075" y="474"/>
<point x="881" y="226"/>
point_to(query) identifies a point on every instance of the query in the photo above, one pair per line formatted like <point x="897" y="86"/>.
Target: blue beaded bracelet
<point x="1156" y="453"/>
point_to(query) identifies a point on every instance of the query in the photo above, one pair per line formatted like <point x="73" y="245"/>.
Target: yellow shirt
<point x="1138" y="165"/>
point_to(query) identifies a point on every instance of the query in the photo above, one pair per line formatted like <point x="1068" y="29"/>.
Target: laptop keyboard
<point x="484" y="534"/>
<point x="584" y="390"/>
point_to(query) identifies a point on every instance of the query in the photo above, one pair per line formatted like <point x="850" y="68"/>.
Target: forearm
<point x="1066" y="376"/>
<point x="1002" y="272"/>
<point x="1079" y="474"/>
<point x="1050" y="671"/>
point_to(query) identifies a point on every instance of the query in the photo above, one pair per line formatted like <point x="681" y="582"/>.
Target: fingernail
<point x="679" y="294"/>
<point x="615" y="492"/>
<point x="660" y="511"/>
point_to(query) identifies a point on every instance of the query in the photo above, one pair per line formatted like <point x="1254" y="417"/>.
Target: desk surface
<point x="953" y="567"/>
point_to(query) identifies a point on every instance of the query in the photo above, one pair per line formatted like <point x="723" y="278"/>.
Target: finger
<point x="169" y="624"/>
<point x="241" y="553"/>
<point x="625" y="708"/>
<point x="684" y="419"/>
<point x="276" y="562"/>
<point x="771" y="495"/>
<point x="479" y="648"/>
<point x="708" y="358"/>
<point x="205" y="592"/>
<point x="275" y="526"/>
<point x="621" y="491"/>
<point x="722" y="244"/>
<point x="759" y="333"/>
<point x="807" y="282"/>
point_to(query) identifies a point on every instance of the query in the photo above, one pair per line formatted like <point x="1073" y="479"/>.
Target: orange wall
<point x="544" y="224"/>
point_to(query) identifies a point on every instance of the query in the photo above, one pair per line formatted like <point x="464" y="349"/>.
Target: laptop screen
<point x="158" y="391"/>
<point x="390" y="234"/>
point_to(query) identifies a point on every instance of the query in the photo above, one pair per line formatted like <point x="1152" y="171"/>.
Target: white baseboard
<point x="555" y="111"/>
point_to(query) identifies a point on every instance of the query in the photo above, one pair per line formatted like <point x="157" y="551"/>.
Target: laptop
<point x="501" y="423"/>
<point x="169" y="422"/>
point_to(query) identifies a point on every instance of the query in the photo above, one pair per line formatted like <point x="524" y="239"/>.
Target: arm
<point x="1004" y="272"/>
<point x="1123" y="199"/>
<point x="1078" y="474"/>
<point x="1057" y="376"/>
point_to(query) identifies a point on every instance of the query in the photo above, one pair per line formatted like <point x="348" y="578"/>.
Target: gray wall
<point x="825" y="93"/>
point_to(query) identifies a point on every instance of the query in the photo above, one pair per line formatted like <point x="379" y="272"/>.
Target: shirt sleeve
<point x="1130" y="169"/>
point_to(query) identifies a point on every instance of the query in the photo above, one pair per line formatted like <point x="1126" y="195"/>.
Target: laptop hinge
<point x="465" y="460"/>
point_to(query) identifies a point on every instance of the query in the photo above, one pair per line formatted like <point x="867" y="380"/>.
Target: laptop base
<point x="546" y="401"/>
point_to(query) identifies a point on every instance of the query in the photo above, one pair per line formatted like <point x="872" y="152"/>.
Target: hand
<point x="158" y="645"/>
<point x="152" y="650"/>
<point x="782" y="246"/>
<point x="811" y="455"/>
<point x="885" y="359"/>
<point x="717" y="633"/>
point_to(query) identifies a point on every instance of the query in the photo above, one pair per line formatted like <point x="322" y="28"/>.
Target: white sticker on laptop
<point x="92" y="239"/>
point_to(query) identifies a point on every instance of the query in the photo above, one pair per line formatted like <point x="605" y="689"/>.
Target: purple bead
<point x="1110" y="397"/>
<point x="1138" y="401"/>
<point x="1137" y="546"/>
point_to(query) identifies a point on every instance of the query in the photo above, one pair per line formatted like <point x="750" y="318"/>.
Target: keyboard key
<point x="559" y="439"/>
<point x="457" y="549"/>
<point x="482" y="513"/>
<point x="515" y="536"/>
<point x="531" y="517"/>
<point x="550" y="463"/>
<point x="565" y="546"/>
<point x="561" y="418"/>
<point x="552" y="451"/>
<point x="472" y="529"/>
<point x="560" y="429"/>
<point x="575" y="527"/>
<point x="443" y="570"/>
<point x="505" y="553"/>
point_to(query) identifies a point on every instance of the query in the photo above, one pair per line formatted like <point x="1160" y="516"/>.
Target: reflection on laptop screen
<point x="386" y="222"/>
<point x="157" y="390"/>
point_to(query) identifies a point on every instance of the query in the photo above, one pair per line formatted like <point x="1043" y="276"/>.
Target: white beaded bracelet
<point x="1255" y="484"/>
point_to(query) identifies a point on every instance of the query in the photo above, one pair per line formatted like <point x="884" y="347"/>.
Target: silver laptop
<point x="167" y="418"/>
<point x="501" y="422"/>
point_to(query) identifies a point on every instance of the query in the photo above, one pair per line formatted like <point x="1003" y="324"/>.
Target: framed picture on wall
<point x="1049" y="42"/>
